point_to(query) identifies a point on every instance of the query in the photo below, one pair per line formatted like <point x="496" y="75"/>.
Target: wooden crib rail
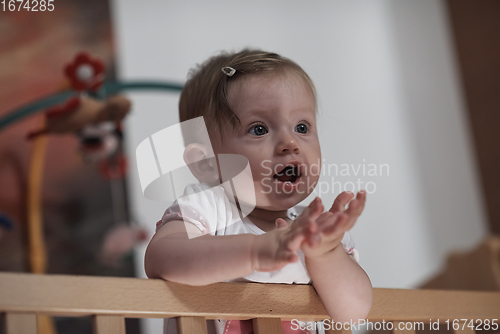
<point x="110" y="300"/>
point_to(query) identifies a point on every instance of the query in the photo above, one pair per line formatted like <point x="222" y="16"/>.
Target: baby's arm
<point x="342" y="285"/>
<point x="207" y="259"/>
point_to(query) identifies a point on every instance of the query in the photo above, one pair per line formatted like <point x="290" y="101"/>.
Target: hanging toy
<point x="95" y="122"/>
<point x="94" y="115"/>
<point x="85" y="73"/>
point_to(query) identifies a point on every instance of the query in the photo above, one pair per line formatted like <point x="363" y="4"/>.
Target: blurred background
<point x="409" y="85"/>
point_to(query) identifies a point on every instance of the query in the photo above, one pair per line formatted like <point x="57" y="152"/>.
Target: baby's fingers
<point x="324" y="219"/>
<point x="313" y="210"/>
<point x="338" y="224"/>
<point x="307" y="219"/>
<point x="341" y="201"/>
<point x="289" y="257"/>
<point x="294" y="241"/>
<point x="281" y="223"/>
<point x="317" y="207"/>
<point x="355" y="209"/>
<point x="357" y="205"/>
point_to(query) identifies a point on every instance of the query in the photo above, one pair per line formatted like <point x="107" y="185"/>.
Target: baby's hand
<point x="274" y="250"/>
<point x="332" y="225"/>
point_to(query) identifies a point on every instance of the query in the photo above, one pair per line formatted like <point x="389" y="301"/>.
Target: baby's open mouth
<point x="288" y="174"/>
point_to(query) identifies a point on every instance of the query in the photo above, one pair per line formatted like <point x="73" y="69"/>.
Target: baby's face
<point x="278" y="129"/>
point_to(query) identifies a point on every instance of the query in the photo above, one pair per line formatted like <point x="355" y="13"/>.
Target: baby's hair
<point x="205" y="92"/>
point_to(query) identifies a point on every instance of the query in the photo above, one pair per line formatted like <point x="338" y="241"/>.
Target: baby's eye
<point x="258" y="130"/>
<point x="301" y="128"/>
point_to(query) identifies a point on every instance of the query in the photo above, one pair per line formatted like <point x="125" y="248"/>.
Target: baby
<point x="261" y="106"/>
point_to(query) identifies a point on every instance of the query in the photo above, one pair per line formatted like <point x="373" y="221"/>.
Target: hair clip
<point x="229" y="71"/>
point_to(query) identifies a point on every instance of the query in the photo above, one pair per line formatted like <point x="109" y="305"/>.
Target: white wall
<point x="388" y="88"/>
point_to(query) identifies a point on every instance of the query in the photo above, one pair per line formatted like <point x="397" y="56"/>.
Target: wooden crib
<point x="110" y="300"/>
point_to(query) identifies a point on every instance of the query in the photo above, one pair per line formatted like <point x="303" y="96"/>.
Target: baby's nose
<point x="288" y="144"/>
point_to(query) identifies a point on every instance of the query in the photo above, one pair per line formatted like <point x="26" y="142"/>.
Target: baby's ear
<point x="202" y="164"/>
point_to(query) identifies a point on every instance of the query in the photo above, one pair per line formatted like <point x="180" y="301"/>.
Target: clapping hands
<point x="314" y="231"/>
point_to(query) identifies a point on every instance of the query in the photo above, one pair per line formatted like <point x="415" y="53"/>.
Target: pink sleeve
<point x="187" y="214"/>
<point x="199" y="205"/>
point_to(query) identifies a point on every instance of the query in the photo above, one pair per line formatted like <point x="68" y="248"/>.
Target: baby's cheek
<point x="263" y="186"/>
<point x="310" y="183"/>
<point x="262" y="169"/>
